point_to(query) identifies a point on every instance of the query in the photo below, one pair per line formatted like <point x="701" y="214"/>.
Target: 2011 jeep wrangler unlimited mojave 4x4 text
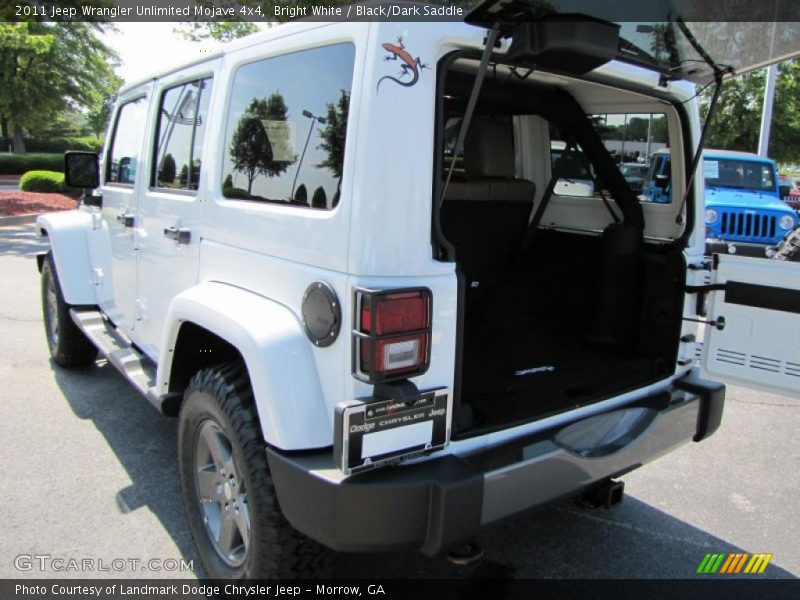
<point x="392" y="342"/>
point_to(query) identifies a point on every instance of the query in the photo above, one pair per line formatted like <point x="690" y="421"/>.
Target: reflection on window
<point x="126" y="142"/>
<point x="286" y="128"/>
<point x="630" y="138"/>
<point x="181" y="126"/>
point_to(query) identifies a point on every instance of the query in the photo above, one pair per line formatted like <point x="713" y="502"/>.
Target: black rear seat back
<point x="485" y="213"/>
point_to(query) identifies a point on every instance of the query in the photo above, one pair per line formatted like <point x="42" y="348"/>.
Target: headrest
<point x="569" y="167"/>
<point x="489" y="148"/>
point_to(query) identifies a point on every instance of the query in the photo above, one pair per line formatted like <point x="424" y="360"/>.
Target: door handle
<point x="180" y="235"/>
<point x="125" y="219"/>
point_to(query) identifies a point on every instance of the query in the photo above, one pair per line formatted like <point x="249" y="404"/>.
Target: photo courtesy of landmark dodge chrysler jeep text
<point x="337" y="253"/>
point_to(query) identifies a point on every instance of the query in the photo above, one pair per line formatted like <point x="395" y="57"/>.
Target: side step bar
<point x="119" y="351"/>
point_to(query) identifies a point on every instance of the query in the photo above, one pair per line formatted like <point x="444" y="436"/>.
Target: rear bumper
<point x="435" y="504"/>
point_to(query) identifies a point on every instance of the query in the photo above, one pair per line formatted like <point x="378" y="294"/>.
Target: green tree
<point x="636" y="130"/>
<point x="334" y="133"/>
<point x="46" y="68"/>
<point x="251" y="150"/>
<point x="183" y="176"/>
<point x="301" y="195"/>
<point x="320" y="198"/>
<point x="660" y="131"/>
<point x="101" y="105"/>
<point x="737" y="120"/>
<point x="166" y="174"/>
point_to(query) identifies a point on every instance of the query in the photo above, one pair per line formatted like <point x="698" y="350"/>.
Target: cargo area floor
<point x="528" y="373"/>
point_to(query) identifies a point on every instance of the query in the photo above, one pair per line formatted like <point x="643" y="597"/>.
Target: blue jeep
<point x="744" y="210"/>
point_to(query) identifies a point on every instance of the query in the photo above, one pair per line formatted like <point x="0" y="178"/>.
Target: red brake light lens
<point x="396" y="313"/>
<point x="394" y="331"/>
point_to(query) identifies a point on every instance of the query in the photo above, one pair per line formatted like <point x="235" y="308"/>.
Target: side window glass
<point x="182" y="117"/>
<point x="767" y="181"/>
<point x="123" y="157"/>
<point x="200" y="130"/>
<point x="630" y="138"/>
<point x="286" y="128"/>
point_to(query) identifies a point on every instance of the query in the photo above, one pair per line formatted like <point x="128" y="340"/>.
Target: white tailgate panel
<point x="759" y="346"/>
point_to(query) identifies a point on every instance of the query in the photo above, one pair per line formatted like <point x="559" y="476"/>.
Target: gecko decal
<point x="409" y="64"/>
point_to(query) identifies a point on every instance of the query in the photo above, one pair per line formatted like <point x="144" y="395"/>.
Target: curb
<point x="17" y="220"/>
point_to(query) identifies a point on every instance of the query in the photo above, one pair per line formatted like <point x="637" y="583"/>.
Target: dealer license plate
<point x="371" y="433"/>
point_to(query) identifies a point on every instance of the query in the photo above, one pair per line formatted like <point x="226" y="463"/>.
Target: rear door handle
<point x="127" y="220"/>
<point x="180" y="235"/>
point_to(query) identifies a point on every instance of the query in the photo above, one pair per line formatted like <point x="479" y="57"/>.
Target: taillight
<point x="393" y="334"/>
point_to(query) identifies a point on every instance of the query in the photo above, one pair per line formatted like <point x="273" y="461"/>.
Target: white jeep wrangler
<point x="394" y="341"/>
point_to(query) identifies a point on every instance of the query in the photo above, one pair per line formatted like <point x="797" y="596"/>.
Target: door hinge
<point x="97" y="276"/>
<point x="707" y="264"/>
<point x="702" y="291"/>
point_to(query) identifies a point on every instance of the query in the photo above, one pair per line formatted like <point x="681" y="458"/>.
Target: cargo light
<point x="393" y="334"/>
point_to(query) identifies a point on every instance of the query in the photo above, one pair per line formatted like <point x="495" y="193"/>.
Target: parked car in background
<point x="635" y="174"/>
<point x="789" y="190"/>
<point x="744" y="210"/>
<point x="656" y="186"/>
<point x="574" y="179"/>
<point x="743" y="203"/>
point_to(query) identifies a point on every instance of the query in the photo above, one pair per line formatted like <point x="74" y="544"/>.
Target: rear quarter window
<point x="286" y="128"/>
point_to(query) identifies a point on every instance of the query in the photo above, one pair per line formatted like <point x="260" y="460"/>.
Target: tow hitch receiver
<point x="608" y="495"/>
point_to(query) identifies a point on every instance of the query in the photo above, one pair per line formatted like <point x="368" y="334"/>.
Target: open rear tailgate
<point x="696" y="40"/>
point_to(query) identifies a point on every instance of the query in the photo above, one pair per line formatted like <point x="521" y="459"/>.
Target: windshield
<point x="739" y="174"/>
<point x="634" y="170"/>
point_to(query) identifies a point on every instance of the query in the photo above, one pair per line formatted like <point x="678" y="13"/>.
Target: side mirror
<point x="662" y="182"/>
<point x="784" y="190"/>
<point x="81" y="169"/>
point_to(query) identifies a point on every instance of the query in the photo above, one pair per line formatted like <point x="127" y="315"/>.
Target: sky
<point x="146" y="48"/>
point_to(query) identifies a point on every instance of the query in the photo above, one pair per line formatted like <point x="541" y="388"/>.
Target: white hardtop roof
<point x="271" y="33"/>
<point x="732" y="153"/>
<point x="456" y="31"/>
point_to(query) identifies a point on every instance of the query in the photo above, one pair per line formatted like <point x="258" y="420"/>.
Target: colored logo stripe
<point x="733" y="563"/>
<point x="710" y="563"/>
<point x="758" y="563"/>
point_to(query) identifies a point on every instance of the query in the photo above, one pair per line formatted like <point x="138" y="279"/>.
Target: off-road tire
<point x="222" y="395"/>
<point x="68" y="345"/>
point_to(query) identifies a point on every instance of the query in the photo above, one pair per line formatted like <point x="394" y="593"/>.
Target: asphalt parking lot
<point x="89" y="470"/>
